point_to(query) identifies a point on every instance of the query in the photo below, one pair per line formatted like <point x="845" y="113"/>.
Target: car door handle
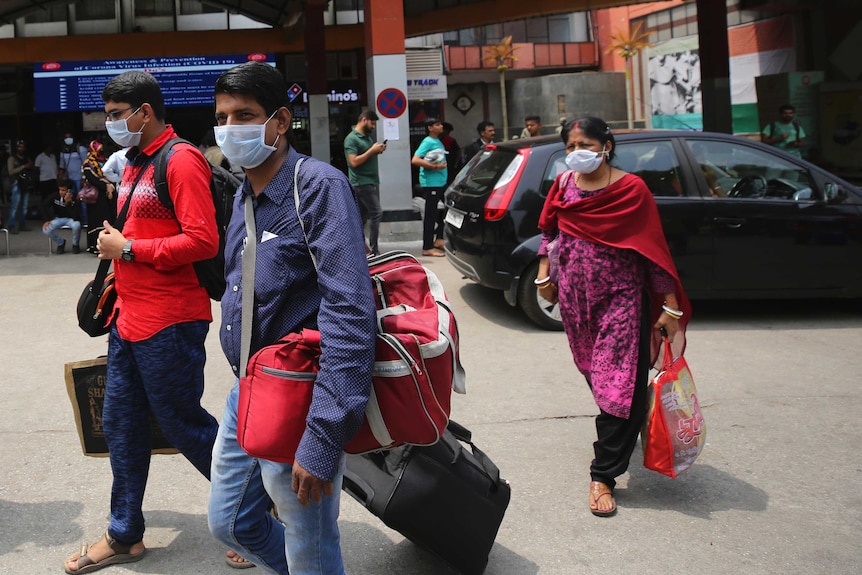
<point x="730" y="222"/>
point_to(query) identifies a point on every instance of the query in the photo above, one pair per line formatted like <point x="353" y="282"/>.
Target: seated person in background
<point x="715" y="189"/>
<point x="67" y="212"/>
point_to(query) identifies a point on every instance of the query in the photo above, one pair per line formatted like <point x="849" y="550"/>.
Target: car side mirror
<point x="834" y="194"/>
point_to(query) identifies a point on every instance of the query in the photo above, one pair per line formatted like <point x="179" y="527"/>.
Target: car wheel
<point x="542" y="312"/>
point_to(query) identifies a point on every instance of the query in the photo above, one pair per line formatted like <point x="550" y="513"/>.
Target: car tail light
<point x="498" y="201"/>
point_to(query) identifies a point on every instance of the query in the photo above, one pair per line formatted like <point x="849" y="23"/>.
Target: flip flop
<point x="434" y="252"/>
<point x="121" y="555"/>
<point x="245" y="564"/>
<point x="597" y="491"/>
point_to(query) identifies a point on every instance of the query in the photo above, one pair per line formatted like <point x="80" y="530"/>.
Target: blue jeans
<point x="57" y="223"/>
<point x="240" y="494"/>
<point x="162" y="375"/>
<point x="19" y="200"/>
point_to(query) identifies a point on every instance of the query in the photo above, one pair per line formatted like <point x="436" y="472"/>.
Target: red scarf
<point x="624" y="215"/>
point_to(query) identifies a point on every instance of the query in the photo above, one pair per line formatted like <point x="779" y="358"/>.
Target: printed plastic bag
<point x="674" y="431"/>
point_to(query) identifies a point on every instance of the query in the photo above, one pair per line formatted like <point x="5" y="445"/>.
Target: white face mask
<point x="118" y="130"/>
<point x="68" y="141"/>
<point x="245" y="144"/>
<point x="585" y="161"/>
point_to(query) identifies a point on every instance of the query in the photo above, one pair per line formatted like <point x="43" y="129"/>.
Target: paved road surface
<point x="777" y="489"/>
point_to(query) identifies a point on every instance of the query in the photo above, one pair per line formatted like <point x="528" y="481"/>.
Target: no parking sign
<point x="391" y="103"/>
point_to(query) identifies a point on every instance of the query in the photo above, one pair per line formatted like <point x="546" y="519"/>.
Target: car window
<point x="734" y="171"/>
<point x="655" y="162"/>
<point x="556" y="166"/>
<point x="480" y="175"/>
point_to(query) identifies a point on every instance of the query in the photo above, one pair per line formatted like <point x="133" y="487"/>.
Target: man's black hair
<point x="260" y="81"/>
<point x="536" y="119"/>
<point x="369" y="115"/>
<point x="784" y="107"/>
<point x="136" y="88"/>
<point x="483" y="125"/>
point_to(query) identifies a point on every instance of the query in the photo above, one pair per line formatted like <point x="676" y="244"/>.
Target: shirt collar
<point x="281" y="185"/>
<point x="154" y="146"/>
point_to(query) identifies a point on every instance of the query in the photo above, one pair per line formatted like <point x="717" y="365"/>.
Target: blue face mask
<point x="245" y="144"/>
<point x="118" y="130"/>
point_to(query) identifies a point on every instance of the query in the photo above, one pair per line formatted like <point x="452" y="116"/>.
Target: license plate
<point x="454" y="218"/>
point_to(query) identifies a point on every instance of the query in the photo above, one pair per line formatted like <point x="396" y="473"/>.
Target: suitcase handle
<point x="357" y="488"/>
<point x="461" y="433"/>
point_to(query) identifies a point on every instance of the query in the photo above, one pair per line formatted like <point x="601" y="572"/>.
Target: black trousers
<point x="432" y="225"/>
<point x="617" y="437"/>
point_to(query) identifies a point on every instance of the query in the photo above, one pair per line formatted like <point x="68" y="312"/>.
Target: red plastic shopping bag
<point x="674" y="432"/>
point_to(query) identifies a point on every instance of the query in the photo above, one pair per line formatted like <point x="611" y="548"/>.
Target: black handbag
<point x="97" y="302"/>
<point x="443" y="497"/>
<point x="99" y="296"/>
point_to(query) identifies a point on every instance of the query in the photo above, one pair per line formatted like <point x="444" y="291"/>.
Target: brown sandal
<point x="597" y="491"/>
<point x="122" y="554"/>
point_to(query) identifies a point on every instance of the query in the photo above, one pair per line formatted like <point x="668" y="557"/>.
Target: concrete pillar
<point x="315" y="62"/>
<point x="386" y="67"/>
<point x="714" y="66"/>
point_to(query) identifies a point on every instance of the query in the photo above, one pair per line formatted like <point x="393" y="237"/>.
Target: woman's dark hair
<point x="593" y="128"/>
<point x="136" y="88"/>
<point x="260" y="81"/>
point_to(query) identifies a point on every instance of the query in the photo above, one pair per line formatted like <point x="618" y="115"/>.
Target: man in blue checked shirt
<point x="254" y="119"/>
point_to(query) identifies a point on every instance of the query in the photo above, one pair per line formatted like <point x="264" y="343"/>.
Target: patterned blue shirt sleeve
<point x="346" y="319"/>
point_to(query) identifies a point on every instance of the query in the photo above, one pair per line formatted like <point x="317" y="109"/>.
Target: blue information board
<point x="185" y="80"/>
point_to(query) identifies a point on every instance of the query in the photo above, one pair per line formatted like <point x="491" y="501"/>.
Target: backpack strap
<point x="160" y="176"/>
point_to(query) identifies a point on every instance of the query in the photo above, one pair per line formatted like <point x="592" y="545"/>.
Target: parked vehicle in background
<point x="742" y="219"/>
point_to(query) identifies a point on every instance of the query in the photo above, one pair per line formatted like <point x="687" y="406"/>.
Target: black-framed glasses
<point x="115" y="115"/>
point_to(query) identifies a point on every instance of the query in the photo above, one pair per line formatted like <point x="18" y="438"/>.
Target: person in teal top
<point x="786" y="134"/>
<point x="361" y="152"/>
<point x="430" y="158"/>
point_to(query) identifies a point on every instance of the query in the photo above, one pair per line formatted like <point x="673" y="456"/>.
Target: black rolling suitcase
<point x="445" y="498"/>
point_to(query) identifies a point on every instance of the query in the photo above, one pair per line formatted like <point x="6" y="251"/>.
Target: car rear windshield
<point x="482" y="172"/>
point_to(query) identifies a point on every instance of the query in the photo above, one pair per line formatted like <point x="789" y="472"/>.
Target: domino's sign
<point x="427" y="88"/>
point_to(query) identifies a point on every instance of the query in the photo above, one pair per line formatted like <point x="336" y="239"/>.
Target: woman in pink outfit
<point x="617" y="287"/>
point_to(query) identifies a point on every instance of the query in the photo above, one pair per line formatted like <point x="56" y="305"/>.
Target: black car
<point x="742" y="219"/>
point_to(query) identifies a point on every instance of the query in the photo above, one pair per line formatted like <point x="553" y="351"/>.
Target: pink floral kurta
<point x="601" y="292"/>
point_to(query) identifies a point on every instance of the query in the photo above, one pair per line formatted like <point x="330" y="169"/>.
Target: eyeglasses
<point x="115" y="115"/>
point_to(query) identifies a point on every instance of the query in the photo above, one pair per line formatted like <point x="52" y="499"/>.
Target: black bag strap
<point x="105" y="265"/>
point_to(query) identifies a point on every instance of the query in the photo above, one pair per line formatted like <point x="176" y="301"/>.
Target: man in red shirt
<point x="156" y="347"/>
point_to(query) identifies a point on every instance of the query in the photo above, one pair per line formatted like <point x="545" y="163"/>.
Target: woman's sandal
<point x="122" y="554"/>
<point x="597" y="491"/>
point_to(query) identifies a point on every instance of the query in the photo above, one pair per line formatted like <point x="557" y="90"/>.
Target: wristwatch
<point x="128" y="255"/>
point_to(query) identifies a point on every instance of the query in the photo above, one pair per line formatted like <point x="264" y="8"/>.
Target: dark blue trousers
<point x="163" y="375"/>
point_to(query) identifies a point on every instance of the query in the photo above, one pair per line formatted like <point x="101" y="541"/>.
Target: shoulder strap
<point x="104" y="265"/>
<point x="249" y="256"/>
<point x="296" y="202"/>
<point x="160" y="176"/>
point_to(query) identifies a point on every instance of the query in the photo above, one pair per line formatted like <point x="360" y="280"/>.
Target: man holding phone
<point x="361" y="152"/>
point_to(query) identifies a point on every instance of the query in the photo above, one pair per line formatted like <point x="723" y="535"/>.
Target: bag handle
<point x="249" y="255"/>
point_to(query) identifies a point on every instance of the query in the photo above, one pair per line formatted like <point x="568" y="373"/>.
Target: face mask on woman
<point x="119" y="132"/>
<point x="68" y="141"/>
<point x="245" y="144"/>
<point x="585" y="161"/>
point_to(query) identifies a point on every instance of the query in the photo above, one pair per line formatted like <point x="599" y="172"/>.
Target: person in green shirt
<point x="430" y="158"/>
<point x="361" y="152"/>
<point x="785" y="134"/>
